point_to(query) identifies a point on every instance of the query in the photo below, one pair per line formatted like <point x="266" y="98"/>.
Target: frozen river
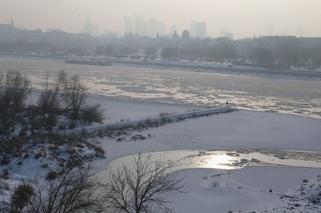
<point x="285" y="94"/>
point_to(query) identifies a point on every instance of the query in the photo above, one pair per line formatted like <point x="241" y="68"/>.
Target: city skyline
<point x="240" y="18"/>
<point x="137" y="25"/>
<point x="197" y="29"/>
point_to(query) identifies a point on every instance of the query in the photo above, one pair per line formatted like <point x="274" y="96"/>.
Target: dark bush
<point x="5" y="174"/>
<point x="52" y="175"/>
<point x="49" y="100"/>
<point x="21" y="197"/>
<point x="5" y="161"/>
<point x="92" y="114"/>
<point x="72" y="191"/>
<point x="99" y="151"/>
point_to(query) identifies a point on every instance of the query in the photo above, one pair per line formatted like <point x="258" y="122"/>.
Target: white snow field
<point x="247" y="189"/>
<point x="235" y="130"/>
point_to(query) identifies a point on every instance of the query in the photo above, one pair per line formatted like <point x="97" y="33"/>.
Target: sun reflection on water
<point x="220" y="161"/>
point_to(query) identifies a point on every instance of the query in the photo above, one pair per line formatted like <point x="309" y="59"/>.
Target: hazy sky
<point x="242" y="17"/>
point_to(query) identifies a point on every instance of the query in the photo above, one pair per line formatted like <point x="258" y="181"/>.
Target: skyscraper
<point x="140" y="27"/>
<point x="192" y="28"/>
<point x="198" y="29"/>
<point x="12" y="24"/>
<point x="173" y="29"/>
<point x="128" y="25"/>
<point x="201" y="30"/>
<point x="137" y="25"/>
<point x="155" y="27"/>
<point x="89" y="27"/>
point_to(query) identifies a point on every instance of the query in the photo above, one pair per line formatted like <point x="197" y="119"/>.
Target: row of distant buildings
<point x="152" y="28"/>
<point x="133" y="27"/>
<point x="137" y="25"/>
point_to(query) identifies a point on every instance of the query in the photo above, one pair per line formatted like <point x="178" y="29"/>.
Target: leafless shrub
<point x="51" y="175"/>
<point x="49" y="100"/>
<point x="141" y="188"/>
<point x="75" y="96"/>
<point x="70" y="192"/>
<point x="5" y="174"/>
<point x="21" y="197"/>
<point x="100" y="152"/>
<point x="91" y="114"/>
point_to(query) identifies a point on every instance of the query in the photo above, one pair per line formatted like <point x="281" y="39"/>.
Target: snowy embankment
<point x="146" y="122"/>
<point x="210" y="190"/>
<point x="236" y="130"/>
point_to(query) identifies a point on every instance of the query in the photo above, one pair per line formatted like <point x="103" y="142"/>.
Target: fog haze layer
<point x="244" y="18"/>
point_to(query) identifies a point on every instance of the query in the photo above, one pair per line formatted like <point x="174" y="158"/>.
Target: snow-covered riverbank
<point x="246" y="189"/>
<point x="241" y="129"/>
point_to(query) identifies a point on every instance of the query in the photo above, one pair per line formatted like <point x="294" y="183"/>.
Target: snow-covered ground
<point x="240" y="129"/>
<point x="250" y="189"/>
<point x="117" y="109"/>
<point x="246" y="189"/>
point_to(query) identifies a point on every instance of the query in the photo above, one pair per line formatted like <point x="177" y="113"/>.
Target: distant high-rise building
<point x="198" y="29"/>
<point x="161" y="28"/>
<point x="173" y="29"/>
<point x="201" y="30"/>
<point x="152" y="28"/>
<point x="12" y="24"/>
<point x="89" y="27"/>
<point x="140" y="27"/>
<point x="128" y="25"/>
<point x="192" y="28"/>
<point x="155" y="27"/>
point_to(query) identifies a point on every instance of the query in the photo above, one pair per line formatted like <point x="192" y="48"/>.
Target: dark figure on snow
<point x="226" y="103"/>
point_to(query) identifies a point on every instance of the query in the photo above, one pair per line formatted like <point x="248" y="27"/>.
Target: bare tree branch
<point x="49" y="97"/>
<point x="141" y="188"/>
<point x="75" y="96"/>
<point x="72" y="191"/>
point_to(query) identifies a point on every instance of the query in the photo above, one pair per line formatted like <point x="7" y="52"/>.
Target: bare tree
<point x="141" y="188"/>
<point x="49" y="101"/>
<point x="75" y="96"/>
<point x="72" y="191"/>
<point x="49" y="97"/>
<point x="14" y="89"/>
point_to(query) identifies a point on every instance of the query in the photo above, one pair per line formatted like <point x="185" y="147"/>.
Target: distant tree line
<point x="270" y="51"/>
<point x="275" y="52"/>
